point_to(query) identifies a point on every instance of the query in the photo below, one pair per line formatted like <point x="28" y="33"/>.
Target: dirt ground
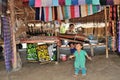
<point x="99" y="68"/>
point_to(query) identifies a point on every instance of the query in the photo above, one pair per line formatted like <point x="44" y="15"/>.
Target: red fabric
<point x="72" y="12"/>
<point x="47" y="13"/>
<point x="61" y="2"/>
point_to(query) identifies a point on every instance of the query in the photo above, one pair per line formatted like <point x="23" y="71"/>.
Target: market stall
<point x="57" y="10"/>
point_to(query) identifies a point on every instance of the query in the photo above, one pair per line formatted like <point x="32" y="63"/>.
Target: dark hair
<point x="71" y="43"/>
<point x="71" y="25"/>
<point x="79" y="43"/>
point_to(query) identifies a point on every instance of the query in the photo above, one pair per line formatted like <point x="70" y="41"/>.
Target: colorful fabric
<point x="80" y="59"/>
<point x="42" y="14"/>
<point x="49" y="3"/>
<point x="50" y="14"/>
<point x="74" y="2"/>
<point x="55" y="3"/>
<point x="102" y="2"/>
<point x="72" y="11"/>
<point x="94" y="8"/>
<point x="67" y="2"/>
<point x="69" y="15"/>
<point x="7" y="43"/>
<point x="63" y="12"/>
<point x="31" y="3"/>
<point x="44" y="3"/>
<point x="61" y="2"/>
<point x="109" y="2"/>
<point x="84" y="11"/>
<point x="88" y="1"/>
<point x="53" y="13"/>
<point x="116" y="2"/>
<point x="77" y="14"/>
<point x="66" y="12"/>
<point x="37" y="12"/>
<point x="38" y="3"/>
<point x="47" y="13"/>
<point x="96" y="2"/>
<point x="90" y="11"/>
<point x="60" y="13"/>
<point x="119" y="36"/>
<point x="81" y="2"/>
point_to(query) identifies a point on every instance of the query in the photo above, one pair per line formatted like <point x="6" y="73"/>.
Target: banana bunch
<point x="42" y="52"/>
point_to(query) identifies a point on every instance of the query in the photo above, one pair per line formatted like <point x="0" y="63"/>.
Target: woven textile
<point x="7" y="43"/>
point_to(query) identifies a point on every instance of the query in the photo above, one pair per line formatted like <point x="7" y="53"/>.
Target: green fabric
<point x="94" y="9"/>
<point x="80" y="59"/>
<point x="68" y="2"/>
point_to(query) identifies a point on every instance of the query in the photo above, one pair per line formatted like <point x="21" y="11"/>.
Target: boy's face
<point x="78" y="46"/>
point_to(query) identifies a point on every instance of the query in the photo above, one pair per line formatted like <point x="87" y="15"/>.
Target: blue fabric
<point x="37" y="10"/>
<point x="83" y="70"/>
<point x="31" y="3"/>
<point x="88" y="1"/>
<point x="42" y="14"/>
<point x="55" y="3"/>
<point x="72" y="50"/>
<point x="7" y="43"/>
<point x="74" y="2"/>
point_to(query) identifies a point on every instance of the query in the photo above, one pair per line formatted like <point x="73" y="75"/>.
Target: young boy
<point x="72" y="47"/>
<point x="80" y="59"/>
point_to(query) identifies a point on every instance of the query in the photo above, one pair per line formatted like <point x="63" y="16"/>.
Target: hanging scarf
<point x="67" y="2"/>
<point x="66" y="12"/>
<point x="116" y="2"/>
<point x="49" y="3"/>
<point x="109" y="2"/>
<point x="7" y="43"/>
<point x="31" y="3"/>
<point x="74" y="2"/>
<point x="47" y="13"/>
<point x="72" y="11"/>
<point x="83" y="11"/>
<point x="88" y="1"/>
<point x="37" y="12"/>
<point x="61" y="2"/>
<point x="38" y="3"/>
<point x="60" y="13"/>
<point x="50" y="14"/>
<point x="81" y="2"/>
<point x="42" y="14"/>
<point x="90" y="10"/>
<point x="77" y="14"/>
<point x="95" y="2"/>
<point x="55" y="3"/>
<point x="94" y="8"/>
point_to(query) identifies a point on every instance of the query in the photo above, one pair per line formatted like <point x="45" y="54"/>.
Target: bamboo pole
<point x="106" y="32"/>
<point x="12" y="19"/>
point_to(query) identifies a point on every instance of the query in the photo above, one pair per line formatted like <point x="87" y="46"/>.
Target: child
<point x="80" y="59"/>
<point x="72" y="47"/>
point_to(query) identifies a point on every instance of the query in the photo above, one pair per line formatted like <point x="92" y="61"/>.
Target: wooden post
<point x="12" y="19"/>
<point x="106" y="32"/>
